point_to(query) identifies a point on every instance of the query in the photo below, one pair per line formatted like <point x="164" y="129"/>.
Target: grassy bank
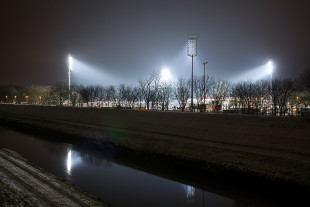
<point x="272" y="152"/>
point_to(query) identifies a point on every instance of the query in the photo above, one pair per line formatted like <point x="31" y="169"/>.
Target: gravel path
<point x="23" y="184"/>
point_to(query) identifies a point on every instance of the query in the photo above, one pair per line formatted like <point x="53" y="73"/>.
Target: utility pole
<point x="192" y="85"/>
<point x="204" y="86"/>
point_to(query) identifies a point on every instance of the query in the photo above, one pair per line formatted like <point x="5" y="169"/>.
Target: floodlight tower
<point x="204" y="85"/>
<point x="69" y="73"/>
<point x="192" y="51"/>
<point x="270" y="71"/>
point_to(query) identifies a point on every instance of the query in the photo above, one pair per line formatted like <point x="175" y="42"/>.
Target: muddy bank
<point x="266" y="152"/>
<point x="24" y="184"/>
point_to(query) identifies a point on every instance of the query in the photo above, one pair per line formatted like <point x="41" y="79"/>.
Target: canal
<point x="117" y="184"/>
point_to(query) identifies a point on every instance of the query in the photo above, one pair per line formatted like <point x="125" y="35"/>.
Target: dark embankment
<point x="24" y="184"/>
<point x="269" y="153"/>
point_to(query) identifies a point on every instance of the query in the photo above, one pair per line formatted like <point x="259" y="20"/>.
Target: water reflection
<point x="190" y="193"/>
<point x="91" y="159"/>
<point x="117" y="184"/>
<point x="110" y="180"/>
<point x="73" y="159"/>
<point x="69" y="163"/>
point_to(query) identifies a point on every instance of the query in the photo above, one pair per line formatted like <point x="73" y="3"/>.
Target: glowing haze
<point x="122" y="41"/>
<point x="165" y="75"/>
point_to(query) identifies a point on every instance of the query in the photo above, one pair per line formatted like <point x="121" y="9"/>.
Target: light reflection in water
<point x="190" y="193"/>
<point x="117" y="184"/>
<point x="69" y="162"/>
<point x="73" y="159"/>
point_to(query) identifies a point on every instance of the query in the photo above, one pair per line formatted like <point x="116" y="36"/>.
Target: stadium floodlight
<point x="165" y="75"/>
<point x="192" y="51"/>
<point x="192" y="45"/>
<point x="270" y="67"/>
<point x="70" y="63"/>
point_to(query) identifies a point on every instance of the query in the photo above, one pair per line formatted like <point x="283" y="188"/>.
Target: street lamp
<point x="204" y="86"/>
<point x="192" y="51"/>
<point x="26" y="98"/>
<point x="296" y="105"/>
<point x="69" y="72"/>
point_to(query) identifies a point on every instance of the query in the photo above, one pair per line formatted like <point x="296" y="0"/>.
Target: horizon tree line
<point x="279" y="95"/>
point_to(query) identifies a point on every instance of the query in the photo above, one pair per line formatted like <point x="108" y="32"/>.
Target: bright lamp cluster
<point x="269" y="67"/>
<point x="192" y="45"/>
<point x="70" y="62"/>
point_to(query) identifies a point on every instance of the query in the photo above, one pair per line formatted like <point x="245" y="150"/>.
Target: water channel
<point x="117" y="184"/>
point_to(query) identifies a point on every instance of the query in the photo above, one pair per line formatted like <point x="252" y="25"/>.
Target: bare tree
<point x="149" y="88"/>
<point x="121" y="94"/>
<point x="239" y="91"/>
<point x="101" y="95"/>
<point x="110" y="94"/>
<point x="262" y="94"/>
<point x="79" y="99"/>
<point x="93" y="90"/>
<point x="85" y="94"/>
<point x="220" y="92"/>
<point x="140" y="96"/>
<point x="164" y="94"/>
<point x="209" y="83"/>
<point x="202" y="87"/>
<point x="304" y="80"/>
<point x="75" y="94"/>
<point x="58" y="93"/>
<point x="182" y="92"/>
<point x="304" y="84"/>
<point x="199" y="90"/>
<point x="34" y="94"/>
<point x="251" y="96"/>
<point x="132" y="95"/>
<point x="280" y="91"/>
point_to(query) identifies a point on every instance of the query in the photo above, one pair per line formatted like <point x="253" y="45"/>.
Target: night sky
<point x="122" y="41"/>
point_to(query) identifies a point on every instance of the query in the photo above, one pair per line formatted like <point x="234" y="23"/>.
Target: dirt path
<point x="23" y="184"/>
